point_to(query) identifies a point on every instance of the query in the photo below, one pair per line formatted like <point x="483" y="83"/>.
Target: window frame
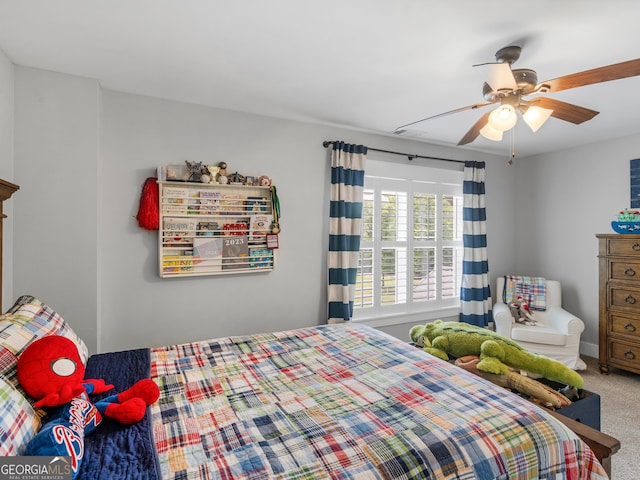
<point x="384" y="176"/>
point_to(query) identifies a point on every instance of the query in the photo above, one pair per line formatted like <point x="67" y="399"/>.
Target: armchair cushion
<point x="539" y="334"/>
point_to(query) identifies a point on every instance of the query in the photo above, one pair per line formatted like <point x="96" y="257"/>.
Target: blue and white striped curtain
<point x="345" y="218"/>
<point x="475" y="292"/>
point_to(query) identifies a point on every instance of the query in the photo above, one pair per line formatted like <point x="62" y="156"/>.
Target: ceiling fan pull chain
<point x="512" y="146"/>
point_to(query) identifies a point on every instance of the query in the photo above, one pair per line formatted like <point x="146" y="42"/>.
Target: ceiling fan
<point x="509" y="88"/>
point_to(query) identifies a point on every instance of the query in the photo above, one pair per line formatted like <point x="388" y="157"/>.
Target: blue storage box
<point x="585" y="410"/>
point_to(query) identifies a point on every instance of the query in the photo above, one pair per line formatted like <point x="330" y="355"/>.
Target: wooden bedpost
<point x="6" y="190"/>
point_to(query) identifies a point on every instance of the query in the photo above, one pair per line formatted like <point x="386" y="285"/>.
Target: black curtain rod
<point x="409" y="156"/>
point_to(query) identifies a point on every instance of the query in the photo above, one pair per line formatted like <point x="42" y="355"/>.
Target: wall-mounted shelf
<point x="213" y="229"/>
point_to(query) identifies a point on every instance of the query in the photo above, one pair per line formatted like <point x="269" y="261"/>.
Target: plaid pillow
<point x="29" y="319"/>
<point x="19" y="422"/>
<point x="533" y="290"/>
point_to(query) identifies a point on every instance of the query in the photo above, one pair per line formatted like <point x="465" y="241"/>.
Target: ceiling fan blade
<point x="630" y="68"/>
<point x="474" y="131"/>
<point x="565" y="111"/>
<point x="457" y="110"/>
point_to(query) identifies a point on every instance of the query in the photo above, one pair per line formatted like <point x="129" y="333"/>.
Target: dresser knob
<point x="629" y="272"/>
<point x="629" y="299"/>
<point x="629" y="327"/>
<point x="629" y="355"/>
<point x="635" y="246"/>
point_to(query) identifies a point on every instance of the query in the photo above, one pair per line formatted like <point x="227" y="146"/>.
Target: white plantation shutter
<point x="411" y="245"/>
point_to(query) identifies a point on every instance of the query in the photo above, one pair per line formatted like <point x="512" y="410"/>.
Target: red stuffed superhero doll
<point x="51" y="371"/>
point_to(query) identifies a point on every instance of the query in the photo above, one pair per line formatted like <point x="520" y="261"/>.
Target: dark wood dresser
<point x="619" y="312"/>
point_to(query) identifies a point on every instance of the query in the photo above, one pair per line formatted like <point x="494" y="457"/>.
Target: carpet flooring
<point x="619" y="413"/>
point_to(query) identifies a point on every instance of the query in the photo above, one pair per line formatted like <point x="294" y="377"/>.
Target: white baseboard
<point x="589" y="349"/>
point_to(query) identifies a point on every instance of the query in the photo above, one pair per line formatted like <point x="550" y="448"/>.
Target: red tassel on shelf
<point x="149" y="210"/>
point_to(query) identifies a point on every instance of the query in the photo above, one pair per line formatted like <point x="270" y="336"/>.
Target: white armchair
<point x="556" y="333"/>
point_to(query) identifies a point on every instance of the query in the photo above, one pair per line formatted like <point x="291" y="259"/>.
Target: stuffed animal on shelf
<point x="521" y="312"/>
<point x="264" y="181"/>
<point x="196" y="170"/>
<point x="497" y="353"/>
<point x="51" y="371"/>
<point x="222" y="173"/>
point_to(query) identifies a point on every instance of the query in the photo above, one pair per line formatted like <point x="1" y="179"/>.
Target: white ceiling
<point x="371" y="65"/>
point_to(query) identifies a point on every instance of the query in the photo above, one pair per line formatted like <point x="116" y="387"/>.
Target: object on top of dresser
<point x="626" y="227"/>
<point x="628" y="222"/>
<point x="629" y="216"/>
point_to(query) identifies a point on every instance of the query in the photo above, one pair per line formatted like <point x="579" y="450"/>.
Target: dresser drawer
<point x="624" y="297"/>
<point x="623" y="246"/>
<point x="623" y="269"/>
<point x="626" y="354"/>
<point x="626" y="325"/>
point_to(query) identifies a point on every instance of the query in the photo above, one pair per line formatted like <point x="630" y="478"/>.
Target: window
<point x="410" y="258"/>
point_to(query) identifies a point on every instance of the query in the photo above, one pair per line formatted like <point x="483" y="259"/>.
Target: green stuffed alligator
<point x="496" y="352"/>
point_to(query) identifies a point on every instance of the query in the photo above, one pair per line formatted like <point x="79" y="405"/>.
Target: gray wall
<point x="82" y="155"/>
<point x="6" y="172"/>
<point x="56" y="142"/>
<point x="564" y="199"/>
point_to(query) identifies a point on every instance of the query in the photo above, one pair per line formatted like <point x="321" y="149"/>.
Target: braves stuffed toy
<point x="51" y="371"/>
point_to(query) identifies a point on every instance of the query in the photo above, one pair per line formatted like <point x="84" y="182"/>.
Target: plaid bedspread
<point x="346" y="402"/>
<point x="532" y="289"/>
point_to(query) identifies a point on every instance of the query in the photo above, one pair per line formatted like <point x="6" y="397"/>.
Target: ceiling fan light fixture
<point x="491" y="133"/>
<point x="536" y="116"/>
<point x="503" y="118"/>
<point x="501" y="78"/>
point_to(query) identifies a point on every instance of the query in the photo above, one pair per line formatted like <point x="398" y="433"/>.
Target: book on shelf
<point x="175" y="200"/>
<point x="170" y="263"/>
<point x="210" y="203"/>
<point x="236" y="229"/>
<point x="186" y="264"/>
<point x="255" y="205"/>
<point x="177" y="263"/>
<point x="179" y="201"/>
<point x="177" y="208"/>
<point x="175" y="192"/>
<point x="260" y="258"/>
<point x="207" y="253"/>
<point x="208" y="229"/>
<point x="259" y="225"/>
<point x="232" y="205"/>
<point x="235" y="252"/>
<point x="178" y="232"/>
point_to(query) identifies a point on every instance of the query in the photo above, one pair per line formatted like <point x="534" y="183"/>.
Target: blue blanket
<point x="116" y="451"/>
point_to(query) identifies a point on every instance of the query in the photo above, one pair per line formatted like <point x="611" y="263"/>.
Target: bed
<point x="332" y="401"/>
